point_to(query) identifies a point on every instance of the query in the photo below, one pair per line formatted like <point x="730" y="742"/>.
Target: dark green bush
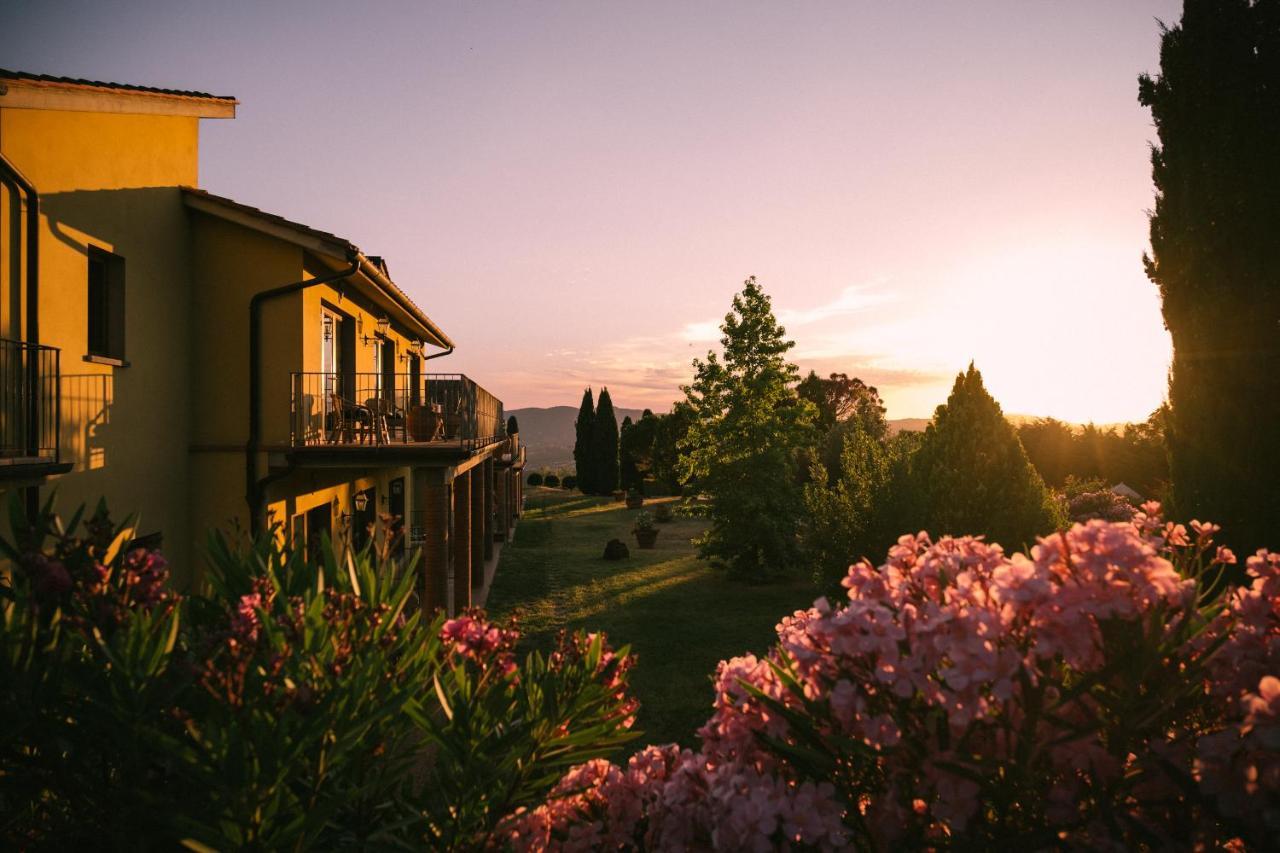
<point x="535" y="479"/>
<point x="569" y="482"/>
<point x="551" y="481"/>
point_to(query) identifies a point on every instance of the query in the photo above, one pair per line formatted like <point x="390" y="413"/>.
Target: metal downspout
<point x="255" y="487"/>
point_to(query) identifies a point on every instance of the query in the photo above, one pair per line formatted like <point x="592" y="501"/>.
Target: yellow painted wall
<point x="111" y="181"/>
<point x="64" y="151"/>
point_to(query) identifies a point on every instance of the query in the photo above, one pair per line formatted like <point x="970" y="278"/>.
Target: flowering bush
<point x="288" y="705"/>
<point x="1102" y="504"/>
<point x="1099" y="691"/>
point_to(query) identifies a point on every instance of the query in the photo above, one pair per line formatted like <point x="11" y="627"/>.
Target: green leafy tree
<point x="669" y="432"/>
<point x="849" y="518"/>
<point x="636" y="449"/>
<point x="604" y="446"/>
<point x="742" y="445"/>
<point x="582" y="449"/>
<point x="840" y="398"/>
<point x="1215" y="257"/>
<point x="971" y="475"/>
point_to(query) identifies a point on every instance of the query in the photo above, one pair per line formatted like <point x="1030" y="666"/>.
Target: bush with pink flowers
<point x="1101" y="691"/>
<point x="288" y="706"/>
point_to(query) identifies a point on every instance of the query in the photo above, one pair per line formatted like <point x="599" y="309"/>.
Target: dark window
<point x="106" y="304"/>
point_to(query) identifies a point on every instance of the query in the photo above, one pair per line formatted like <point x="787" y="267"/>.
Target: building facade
<point x="205" y="364"/>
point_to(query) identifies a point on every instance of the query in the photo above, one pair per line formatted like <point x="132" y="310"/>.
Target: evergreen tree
<point x="971" y="474"/>
<point x="742" y="445"/>
<point x="582" y="443"/>
<point x="604" y="446"/>
<point x="1215" y="255"/>
<point x="628" y="474"/>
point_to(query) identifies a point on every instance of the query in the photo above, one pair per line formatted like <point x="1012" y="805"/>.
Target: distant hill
<point x="549" y="433"/>
<point x="897" y="425"/>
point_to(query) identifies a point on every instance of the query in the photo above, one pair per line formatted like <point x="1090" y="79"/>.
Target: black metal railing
<point x="336" y="409"/>
<point x="30" y="402"/>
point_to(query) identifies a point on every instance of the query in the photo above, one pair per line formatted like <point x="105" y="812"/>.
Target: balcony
<point x="30" y="400"/>
<point x="444" y="414"/>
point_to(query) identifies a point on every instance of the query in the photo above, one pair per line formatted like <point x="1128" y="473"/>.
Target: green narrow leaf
<point x="444" y="702"/>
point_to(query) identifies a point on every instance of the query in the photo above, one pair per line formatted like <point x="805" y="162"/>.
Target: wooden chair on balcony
<point x="347" y="419"/>
<point x="385" y="418"/>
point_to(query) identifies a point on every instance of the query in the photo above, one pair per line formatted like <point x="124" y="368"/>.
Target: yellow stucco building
<point x="206" y="364"/>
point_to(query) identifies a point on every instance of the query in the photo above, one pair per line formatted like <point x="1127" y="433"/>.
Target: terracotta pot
<point x="422" y="423"/>
<point x="646" y="538"/>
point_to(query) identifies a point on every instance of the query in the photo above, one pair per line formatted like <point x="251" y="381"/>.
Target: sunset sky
<point x="575" y="190"/>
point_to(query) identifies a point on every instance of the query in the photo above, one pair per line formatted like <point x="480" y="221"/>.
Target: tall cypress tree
<point x="604" y="446"/>
<point x="582" y="458"/>
<point x="971" y="475"/>
<point x="1215" y="255"/>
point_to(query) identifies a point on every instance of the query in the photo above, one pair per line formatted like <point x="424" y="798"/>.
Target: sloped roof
<point x="6" y="74"/>
<point x="373" y="266"/>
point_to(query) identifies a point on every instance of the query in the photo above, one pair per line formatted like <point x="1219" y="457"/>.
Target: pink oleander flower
<point x="245" y="624"/>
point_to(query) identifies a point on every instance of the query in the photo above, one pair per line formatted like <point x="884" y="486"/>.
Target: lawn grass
<point x="679" y="614"/>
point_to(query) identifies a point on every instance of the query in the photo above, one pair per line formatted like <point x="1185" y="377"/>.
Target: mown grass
<point x="679" y="614"/>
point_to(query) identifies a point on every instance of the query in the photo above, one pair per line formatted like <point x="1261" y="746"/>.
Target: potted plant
<point x="635" y="500"/>
<point x="645" y="531"/>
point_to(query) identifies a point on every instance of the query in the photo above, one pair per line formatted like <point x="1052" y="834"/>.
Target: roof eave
<point x="42" y="95"/>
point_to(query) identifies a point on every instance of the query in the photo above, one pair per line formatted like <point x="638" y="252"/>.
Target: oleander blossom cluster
<point x="1098" y="691"/>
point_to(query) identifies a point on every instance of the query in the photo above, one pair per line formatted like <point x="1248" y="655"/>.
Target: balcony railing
<point x="371" y="409"/>
<point x="29" y="404"/>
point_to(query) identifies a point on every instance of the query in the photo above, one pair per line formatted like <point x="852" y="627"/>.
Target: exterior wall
<point x="163" y="434"/>
<point x="111" y="181"/>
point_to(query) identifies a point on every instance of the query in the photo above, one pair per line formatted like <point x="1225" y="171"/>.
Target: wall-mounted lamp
<point x="415" y="348"/>
<point x="384" y="325"/>
<point x="361" y="501"/>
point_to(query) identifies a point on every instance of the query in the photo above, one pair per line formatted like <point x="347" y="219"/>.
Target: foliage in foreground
<point x="1101" y="691"/>
<point x="286" y="706"/>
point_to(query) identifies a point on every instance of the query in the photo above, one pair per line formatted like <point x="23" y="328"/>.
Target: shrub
<point x="616" y="549"/>
<point x="1104" y="504"/>
<point x="692" y="507"/>
<point x="569" y="482"/>
<point x="662" y="513"/>
<point x="286" y="706"/>
<point x="1093" y="693"/>
<point x="513" y="425"/>
<point x="535" y="479"/>
<point x="551" y="481"/>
